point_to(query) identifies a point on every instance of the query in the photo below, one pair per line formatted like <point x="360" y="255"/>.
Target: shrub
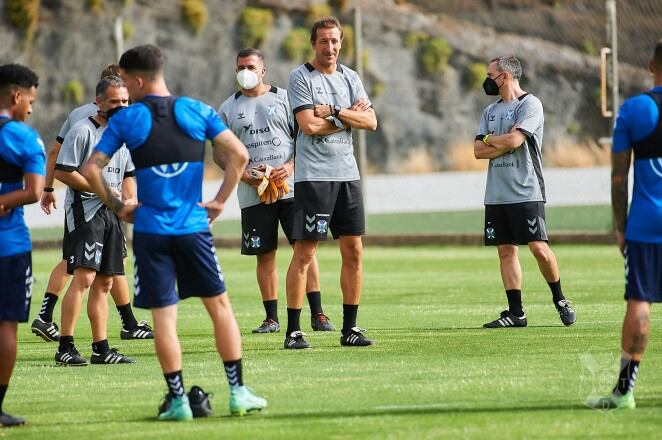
<point x="413" y="39"/>
<point x="589" y="47"/>
<point x="73" y="91"/>
<point x="347" y="52"/>
<point x="254" y="26"/>
<point x="476" y="74"/>
<point x="195" y="14"/>
<point x="24" y="14"/>
<point x="296" y="45"/>
<point x="317" y="11"/>
<point x="340" y="5"/>
<point x="377" y="89"/>
<point x="435" y="54"/>
<point x="127" y="30"/>
<point x="95" y="5"/>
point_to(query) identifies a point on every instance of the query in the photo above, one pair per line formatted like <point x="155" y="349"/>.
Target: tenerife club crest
<point x="318" y="223"/>
<point x="170" y="170"/>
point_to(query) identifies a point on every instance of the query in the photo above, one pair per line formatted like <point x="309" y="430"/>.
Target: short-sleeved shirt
<point x="21" y="151"/>
<point x="77" y="147"/>
<point x="330" y="157"/>
<point x="265" y="125"/>
<point x="77" y="114"/>
<point x="637" y="119"/>
<point x="169" y="193"/>
<point x="515" y="177"/>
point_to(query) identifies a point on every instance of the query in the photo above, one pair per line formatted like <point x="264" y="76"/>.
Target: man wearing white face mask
<point x="259" y="114"/>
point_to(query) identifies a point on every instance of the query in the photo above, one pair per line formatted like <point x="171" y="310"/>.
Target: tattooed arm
<point x="620" y="167"/>
<point x="92" y="171"/>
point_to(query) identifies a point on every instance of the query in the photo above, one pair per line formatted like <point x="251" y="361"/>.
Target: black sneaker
<point x="70" y="357"/>
<point x="142" y="331"/>
<point x="566" y="312"/>
<point x="507" y="319"/>
<point x="7" y="420"/>
<point x="48" y="331"/>
<point x="199" y="402"/>
<point x="354" y="338"/>
<point x="320" y="323"/>
<point x="112" y="356"/>
<point x="268" y="326"/>
<point x="295" y="341"/>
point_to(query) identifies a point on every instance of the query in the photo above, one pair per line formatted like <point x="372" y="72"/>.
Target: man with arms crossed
<point x="510" y="136"/>
<point x="259" y="115"/>
<point x="172" y="242"/>
<point x="22" y="160"/>
<point x="638" y="131"/>
<point x="328" y="101"/>
<point x="96" y="247"/>
<point x="44" y="326"/>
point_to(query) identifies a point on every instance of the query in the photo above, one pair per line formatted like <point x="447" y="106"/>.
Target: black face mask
<point x="490" y="86"/>
<point x="113" y="111"/>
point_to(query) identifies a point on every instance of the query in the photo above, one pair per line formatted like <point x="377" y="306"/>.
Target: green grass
<point x="559" y="219"/>
<point x="434" y="372"/>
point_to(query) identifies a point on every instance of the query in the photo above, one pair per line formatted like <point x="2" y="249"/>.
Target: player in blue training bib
<point x="638" y="131"/>
<point x="22" y="167"/>
<point x="172" y="242"/>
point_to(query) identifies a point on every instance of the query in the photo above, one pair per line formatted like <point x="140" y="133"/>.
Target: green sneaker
<point x="176" y="408"/>
<point x="243" y="401"/>
<point x="612" y="401"/>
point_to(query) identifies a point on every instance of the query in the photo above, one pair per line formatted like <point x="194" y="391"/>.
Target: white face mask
<point x="247" y="79"/>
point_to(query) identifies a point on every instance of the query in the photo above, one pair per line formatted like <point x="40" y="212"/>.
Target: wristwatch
<point x="336" y="110"/>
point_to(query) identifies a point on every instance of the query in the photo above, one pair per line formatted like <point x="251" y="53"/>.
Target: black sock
<point x="271" y="309"/>
<point x="66" y="342"/>
<point x="629" y="370"/>
<point x="234" y="373"/>
<point x="47" y="306"/>
<point x="349" y="312"/>
<point x="126" y="315"/>
<point x="293" y="321"/>
<point x="3" y="391"/>
<point x="557" y="293"/>
<point x="515" y="302"/>
<point x="175" y="382"/>
<point x="101" y="347"/>
<point x="315" y="302"/>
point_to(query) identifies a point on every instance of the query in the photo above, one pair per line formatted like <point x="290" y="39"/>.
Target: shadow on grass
<point x="390" y="410"/>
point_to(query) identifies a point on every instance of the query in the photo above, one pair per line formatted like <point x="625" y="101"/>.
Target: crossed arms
<point x="314" y="122"/>
<point x="498" y="145"/>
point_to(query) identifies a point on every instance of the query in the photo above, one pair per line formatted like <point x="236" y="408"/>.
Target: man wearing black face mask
<point x="510" y="136"/>
<point x="44" y="325"/>
<point x="97" y="245"/>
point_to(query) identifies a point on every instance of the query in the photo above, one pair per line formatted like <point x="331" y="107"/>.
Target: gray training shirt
<point x="80" y="206"/>
<point x="77" y="114"/>
<point x="515" y="177"/>
<point x="264" y="124"/>
<point x="331" y="157"/>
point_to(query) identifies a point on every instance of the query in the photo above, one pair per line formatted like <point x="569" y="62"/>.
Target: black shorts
<point x="259" y="226"/>
<point x="643" y="271"/>
<point x="515" y="223"/>
<point x="15" y="287"/>
<point x="66" y="241"/>
<point x="98" y="244"/>
<point x="319" y="206"/>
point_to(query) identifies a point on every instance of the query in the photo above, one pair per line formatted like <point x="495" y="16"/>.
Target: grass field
<point x="559" y="219"/>
<point x="434" y="373"/>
